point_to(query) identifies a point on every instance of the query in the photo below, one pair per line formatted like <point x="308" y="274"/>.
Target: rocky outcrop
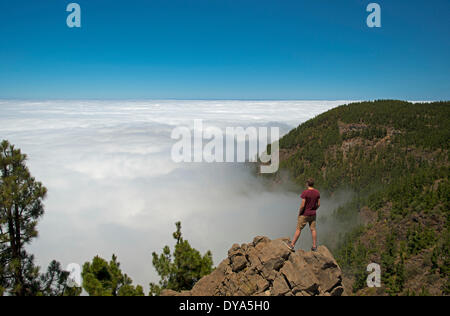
<point x="267" y="267"/>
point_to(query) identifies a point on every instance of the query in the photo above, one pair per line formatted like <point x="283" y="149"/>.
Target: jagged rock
<point x="267" y="267"/>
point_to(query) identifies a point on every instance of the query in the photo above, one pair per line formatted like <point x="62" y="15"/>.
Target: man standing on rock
<point x="307" y="214"/>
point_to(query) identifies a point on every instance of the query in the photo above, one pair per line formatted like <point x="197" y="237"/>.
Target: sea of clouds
<point x="113" y="187"/>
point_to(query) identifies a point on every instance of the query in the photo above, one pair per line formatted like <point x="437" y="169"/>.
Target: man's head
<point x="310" y="182"/>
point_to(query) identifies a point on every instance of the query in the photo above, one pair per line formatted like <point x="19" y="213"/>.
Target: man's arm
<point x="302" y="206"/>
<point x="318" y="204"/>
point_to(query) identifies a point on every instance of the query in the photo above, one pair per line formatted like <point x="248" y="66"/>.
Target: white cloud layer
<point x="113" y="188"/>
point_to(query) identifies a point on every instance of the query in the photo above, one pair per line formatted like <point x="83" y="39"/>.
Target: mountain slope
<point x="394" y="156"/>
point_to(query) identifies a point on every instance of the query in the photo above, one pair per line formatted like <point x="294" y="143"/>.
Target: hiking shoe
<point x="290" y="247"/>
<point x="314" y="249"/>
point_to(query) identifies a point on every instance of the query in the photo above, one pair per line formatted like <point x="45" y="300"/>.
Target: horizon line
<point x="218" y="99"/>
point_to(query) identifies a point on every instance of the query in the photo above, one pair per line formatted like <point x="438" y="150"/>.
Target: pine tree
<point x="54" y="282"/>
<point x="101" y="278"/>
<point x="21" y="207"/>
<point x="181" y="270"/>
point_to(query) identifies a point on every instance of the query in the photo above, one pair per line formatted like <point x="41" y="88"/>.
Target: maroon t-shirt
<point x="311" y="199"/>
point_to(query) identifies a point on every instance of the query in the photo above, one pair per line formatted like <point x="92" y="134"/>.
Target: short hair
<point x="310" y="182"/>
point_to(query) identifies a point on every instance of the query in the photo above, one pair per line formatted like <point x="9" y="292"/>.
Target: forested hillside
<point x="394" y="157"/>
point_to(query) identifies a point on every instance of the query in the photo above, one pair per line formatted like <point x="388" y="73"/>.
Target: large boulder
<point x="267" y="267"/>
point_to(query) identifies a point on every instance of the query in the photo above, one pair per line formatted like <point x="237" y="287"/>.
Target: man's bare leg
<point x="314" y="237"/>
<point x="296" y="237"/>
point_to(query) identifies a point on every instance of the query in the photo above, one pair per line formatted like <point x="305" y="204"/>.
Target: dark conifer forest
<point x="394" y="156"/>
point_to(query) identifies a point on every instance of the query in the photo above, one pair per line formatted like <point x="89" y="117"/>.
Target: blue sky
<point x="225" y="49"/>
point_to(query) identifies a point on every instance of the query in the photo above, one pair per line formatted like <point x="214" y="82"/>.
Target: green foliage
<point x="424" y="292"/>
<point x="446" y="288"/>
<point x="440" y="257"/>
<point x="353" y="257"/>
<point x="102" y="278"/>
<point x="21" y="207"/>
<point x="393" y="267"/>
<point x="337" y="148"/>
<point x="420" y="238"/>
<point x="394" y="156"/>
<point x="54" y="282"/>
<point x="182" y="269"/>
<point x="360" y="263"/>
